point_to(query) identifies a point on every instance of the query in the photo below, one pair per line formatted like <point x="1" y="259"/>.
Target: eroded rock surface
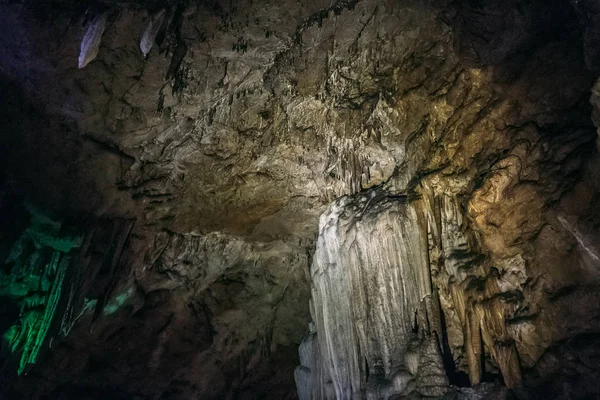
<point x="448" y="146"/>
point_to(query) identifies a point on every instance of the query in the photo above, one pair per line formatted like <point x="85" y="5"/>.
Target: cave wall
<point x="463" y="127"/>
<point x="211" y="315"/>
<point x="484" y="169"/>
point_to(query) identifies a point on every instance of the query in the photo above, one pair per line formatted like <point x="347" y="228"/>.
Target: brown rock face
<point x="449" y="147"/>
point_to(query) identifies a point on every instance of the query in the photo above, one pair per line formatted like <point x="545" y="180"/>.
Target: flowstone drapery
<point x="377" y="321"/>
<point x="405" y="295"/>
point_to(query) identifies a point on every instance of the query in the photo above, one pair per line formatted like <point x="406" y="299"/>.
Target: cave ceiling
<point x="249" y="114"/>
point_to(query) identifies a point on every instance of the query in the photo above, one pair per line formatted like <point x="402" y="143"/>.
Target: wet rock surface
<point x="449" y="147"/>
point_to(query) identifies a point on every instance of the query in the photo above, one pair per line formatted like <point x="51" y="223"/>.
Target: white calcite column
<point x="370" y="282"/>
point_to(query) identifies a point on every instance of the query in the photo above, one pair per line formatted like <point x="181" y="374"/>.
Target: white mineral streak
<point x="583" y="242"/>
<point x="370" y="275"/>
<point x="90" y="44"/>
<point x="147" y="40"/>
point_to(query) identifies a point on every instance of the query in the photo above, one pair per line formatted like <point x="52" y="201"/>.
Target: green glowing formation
<point x="37" y="266"/>
<point x="48" y="274"/>
<point x="118" y="301"/>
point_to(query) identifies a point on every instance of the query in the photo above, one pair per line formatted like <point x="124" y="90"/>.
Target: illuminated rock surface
<point x="449" y="149"/>
<point x="377" y="321"/>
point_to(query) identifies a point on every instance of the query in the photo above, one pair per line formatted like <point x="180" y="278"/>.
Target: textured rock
<point x="233" y="127"/>
<point x="371" y="301"/>
<point x="210" y="306"/>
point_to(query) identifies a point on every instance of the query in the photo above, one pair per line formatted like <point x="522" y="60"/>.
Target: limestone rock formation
<point x="90" y="44"/>
<point x="372" y="302"/>
<point x="450" y="148"/>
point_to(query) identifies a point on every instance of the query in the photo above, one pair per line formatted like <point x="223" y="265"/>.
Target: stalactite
<point x="346" y="163"/>
<point x="381" y="271"/>
<point x="121" y="230"/>
<point x="51" y="284"/>
<point x="152" y="28"/>
<point x="38" y="336"/>
<point x="37" y="282"/>
<point x="470" y="295"/>
<point x="90" y="44"/>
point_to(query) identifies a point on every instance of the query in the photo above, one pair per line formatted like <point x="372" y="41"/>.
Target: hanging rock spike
<point x="90" y="44"/>
<point x="154" y="24"/>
